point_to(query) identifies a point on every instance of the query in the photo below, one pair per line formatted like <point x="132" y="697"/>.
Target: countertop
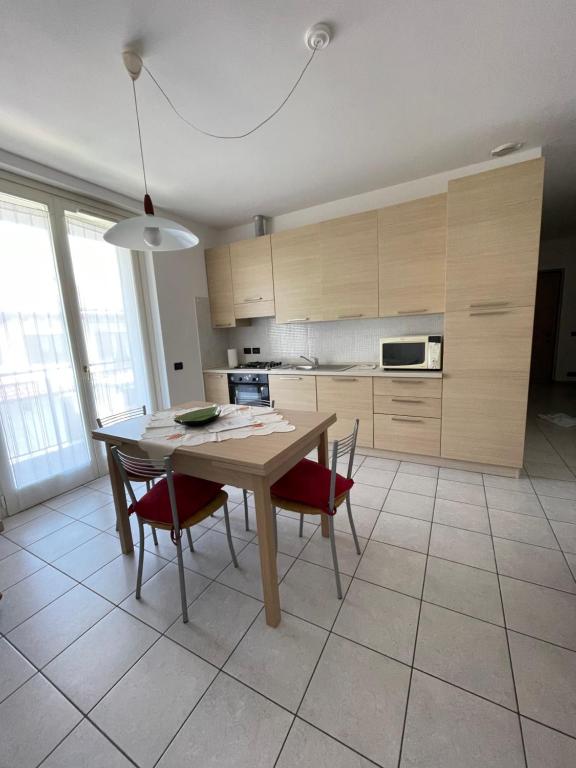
<point x="356" y="370"/>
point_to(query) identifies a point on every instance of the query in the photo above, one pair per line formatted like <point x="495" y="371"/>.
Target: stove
<point x="261" y="365"/>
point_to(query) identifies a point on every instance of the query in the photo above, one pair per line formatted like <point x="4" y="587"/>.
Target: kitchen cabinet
<point x="407" y="434"/>
<point x="350" y="397"/>
<point x="252" y="285"/>
<point x="349" y="267"/>
<point x="297" y="275"/>
<point x="412" y="257"/>
<point x="216" y="388"/>
<point x="485" y="385"/>
<point x="493" y="237"/>
<point x="296" y="393"/>
<point x="219" y="275"/>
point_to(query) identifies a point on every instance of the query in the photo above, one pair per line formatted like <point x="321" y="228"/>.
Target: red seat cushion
<point x="309" y="483"/>
<point x="192" y="494"/>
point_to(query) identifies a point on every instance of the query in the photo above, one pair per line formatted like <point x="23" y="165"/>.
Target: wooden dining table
<point x="254" y="463"/>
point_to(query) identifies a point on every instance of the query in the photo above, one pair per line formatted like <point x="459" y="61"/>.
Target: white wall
<point x="378" y="198"/>
<point x="561" y="254"/>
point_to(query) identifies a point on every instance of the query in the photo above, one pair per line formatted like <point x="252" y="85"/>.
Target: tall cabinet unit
<point x="219" y="275"/>
<point x="493" y="238"/>
<point x="297" y="274"/>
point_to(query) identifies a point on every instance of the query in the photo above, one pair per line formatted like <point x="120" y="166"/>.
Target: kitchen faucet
<point x="313" y="361"/>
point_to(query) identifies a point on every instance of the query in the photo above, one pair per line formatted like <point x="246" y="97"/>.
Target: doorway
<point x="545" y="334"/>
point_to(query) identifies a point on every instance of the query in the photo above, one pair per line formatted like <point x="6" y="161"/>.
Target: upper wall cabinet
<point x="219" y="276"/>
<point x="349" y="266"/>
<point x="297" y="275"/>
<point x="252" y="277"/>
<point x="412" y="257"/>
<point x="493" y="237"/>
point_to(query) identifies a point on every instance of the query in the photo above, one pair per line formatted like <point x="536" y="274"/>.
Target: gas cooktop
<point x="262" y="365"/>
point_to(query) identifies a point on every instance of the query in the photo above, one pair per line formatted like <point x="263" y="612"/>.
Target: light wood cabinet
<point x="349" y="263"/>
<point x="409" y="386"/>
<point x="407" y="434"/>
<point x="412" y="257"/>
<point x="297" y="393"/>
<point x="219" y="275"/>
<point x="216" y="388"/>
<point x="485" y="385"/>
<point x="349" y="397"/>
<point x="297" y="275"/>
<point x="252" y="284"/>
<point x="408" y="405"/>
<point x="493" y="237"/>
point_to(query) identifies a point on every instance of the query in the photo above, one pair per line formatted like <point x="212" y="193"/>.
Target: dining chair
<point x="114" y="418"/>
<point x="175" y="503"/>
<point x="312" y="489"/>
<point x="258" y="404"/>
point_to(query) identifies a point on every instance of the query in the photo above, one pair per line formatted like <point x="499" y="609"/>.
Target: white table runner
<point x="163" y="435"/>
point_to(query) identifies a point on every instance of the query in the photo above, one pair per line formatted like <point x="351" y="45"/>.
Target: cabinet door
<point x="297" y="274"/>
<point x="494" y="237"/>
<point x="407" y="434"/>
<point x="412" y="257"/>
<point x="216" y="388"/>
<point x="297" y="393"/>
<point x="349" y="257"/>
<point x="219" y="274"/>
<point x="252" y="277"/>
<point x="485" y="384"/>
<point x="350" y="398"/>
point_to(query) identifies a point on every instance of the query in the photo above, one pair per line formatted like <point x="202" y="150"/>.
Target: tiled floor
<point x="455" y="645"/>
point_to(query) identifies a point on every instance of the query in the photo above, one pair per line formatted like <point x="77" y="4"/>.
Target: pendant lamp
<point x="148" y="232"/>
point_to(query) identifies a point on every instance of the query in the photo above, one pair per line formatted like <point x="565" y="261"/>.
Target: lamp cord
<point x="217" y="135"/>
<point x="140" y="137"/>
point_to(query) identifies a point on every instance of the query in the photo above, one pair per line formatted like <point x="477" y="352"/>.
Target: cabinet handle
<point x="222" y="325"/>
<point x="405" y="400"/>
<point x="406" y="380"/>
<point x="343" y="378"/>
<point x="406" y="418"/>
<point x="297" y="320"/>
<point x="292" y="378"/>
<point x="254" y="298"/>
<point x="490" y="312"/>
<point x="489" y="304"/>
<point x="411" y="311"/>
<point x="348" y="317"/>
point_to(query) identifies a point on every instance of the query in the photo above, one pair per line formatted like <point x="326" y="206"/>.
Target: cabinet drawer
<point x="407" y="434"/>
<point x="216" y="388"/>
<point x="297" y="393"/>
<point x="254" y="308"/>
<point x="349" y="397"/>
<point x="408" y="387"/>
<point x="411" y="405"/>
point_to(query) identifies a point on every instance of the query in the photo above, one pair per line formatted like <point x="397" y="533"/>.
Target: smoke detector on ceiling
<point x="506" y="149"/>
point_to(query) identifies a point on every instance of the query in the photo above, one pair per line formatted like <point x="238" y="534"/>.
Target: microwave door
<point x="404" y="355"/>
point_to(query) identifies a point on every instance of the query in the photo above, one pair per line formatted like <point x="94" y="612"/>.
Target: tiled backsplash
<point x="339" y="341"/>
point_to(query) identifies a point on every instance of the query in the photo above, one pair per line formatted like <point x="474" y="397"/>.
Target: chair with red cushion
<point x="311" y="489"/>
<point x="175" y="503"/>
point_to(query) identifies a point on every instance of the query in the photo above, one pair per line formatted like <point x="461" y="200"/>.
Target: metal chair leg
<point x="140" y="559"/>
<point x="154" y="536"/>
<point x="246" y="521"/>
<point x="190" y="543"/>
<point x="229" y="535"/>
<point x="334" y="555"/>
<point x="352" y="526"/>
<point x="301" y="528"/>
<point x="182" y="582"/>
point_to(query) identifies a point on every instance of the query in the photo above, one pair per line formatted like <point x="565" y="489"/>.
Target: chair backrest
<point x="114" y="418"/>
<point x="342" y="447"/>
<point x="133" y="468"/>
<point x="256" y="403"/>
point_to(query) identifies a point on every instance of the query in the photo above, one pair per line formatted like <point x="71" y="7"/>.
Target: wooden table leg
<point x="267" y="546"/>
<point x="323" y="459"/>
<point x="120" y="505"/>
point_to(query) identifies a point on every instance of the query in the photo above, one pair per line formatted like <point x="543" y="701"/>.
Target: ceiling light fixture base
<point x="318" y="37"/>
<point x="506" y="149"/>
<point x="133" y="63"/>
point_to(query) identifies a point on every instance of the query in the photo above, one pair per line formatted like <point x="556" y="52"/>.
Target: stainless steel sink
<point x="332" y="367"/>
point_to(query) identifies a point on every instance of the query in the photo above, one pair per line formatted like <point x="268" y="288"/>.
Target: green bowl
<point x="199" y="417"/>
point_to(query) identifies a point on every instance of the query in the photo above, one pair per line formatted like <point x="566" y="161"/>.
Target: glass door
<point x="44" y="445"/>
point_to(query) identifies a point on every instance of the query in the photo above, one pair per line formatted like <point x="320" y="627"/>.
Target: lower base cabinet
<point x="350" y="397"/>
<point x="407" y="434"/>
<point x="295" y="393"/>
<point x="216" y="388"/>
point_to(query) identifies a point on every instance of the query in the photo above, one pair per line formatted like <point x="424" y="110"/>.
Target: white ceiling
<point x="408" y="88"/>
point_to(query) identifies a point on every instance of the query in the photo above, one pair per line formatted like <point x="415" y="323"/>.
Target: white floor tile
<point x="426" y="486"/>
<point x="14" y="521"/>
<point x="566" y="535"/>
<point x="30" y="595"/>
<point x="401" y="531"/>
<point x="382" y="478"/>
<point x="309" y="591"/>
<point x="84" y="504"/>
<point x="460" y="476"/>
<point x="460" y="546"/>
<point x="393" y="567"/>
<point x="469" y="493"/>
<point x="16" y="567"/>
<point x="368" y="495"/>
<point x="116" y="580"/>
<point x="86" y="747"/>
<point x="530" y="530"/>
<point x="461" y="515"/>
<point x="61" y="542"/>
<point x="410" y="505"/>
<point x="560" y="488"/>
<point x="519" y="484"/>
<point x="546" y="567"/>
<point x="247" y="577"/>
<point x="211" y="553"/>
<point x="89" y="557"/>
<point x="318" y="551"/>
<point x="14" y="669"/>
<point x="546" y="748"/>
<point x="514" y="501"/>
<point x="36" y="529"/>
<point x="7" y="547"/>
<point x="411" y="468"/>
<point x="563" y="510"/>
<point x="307" y="746"/>
<point x="363" y="517"/>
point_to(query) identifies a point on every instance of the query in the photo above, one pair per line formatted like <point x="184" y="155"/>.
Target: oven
<point x="411" y="352"/>
<point x="246" y="387"/>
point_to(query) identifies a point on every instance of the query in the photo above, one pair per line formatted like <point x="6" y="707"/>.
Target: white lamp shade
<point x="150" y="233"/>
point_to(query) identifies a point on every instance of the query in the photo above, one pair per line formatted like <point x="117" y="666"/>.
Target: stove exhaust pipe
<point x="260" y="222"/>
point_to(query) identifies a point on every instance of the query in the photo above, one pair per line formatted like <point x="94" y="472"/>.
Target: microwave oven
<point x="411" y="352"/>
